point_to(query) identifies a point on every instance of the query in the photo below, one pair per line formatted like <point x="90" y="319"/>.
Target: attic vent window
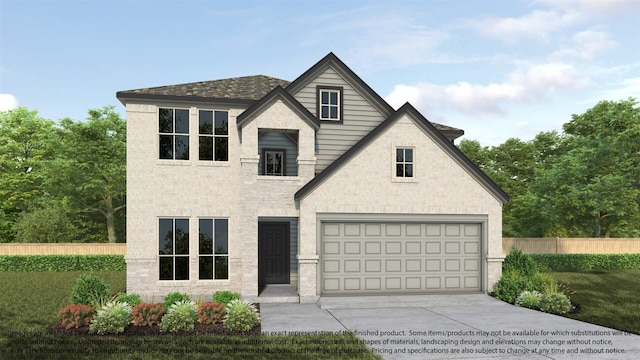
<point x="330" y="104"/>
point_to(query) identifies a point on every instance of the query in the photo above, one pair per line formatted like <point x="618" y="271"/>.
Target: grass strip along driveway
<point x="609" y="298"/>
<point x="29" y="302"/>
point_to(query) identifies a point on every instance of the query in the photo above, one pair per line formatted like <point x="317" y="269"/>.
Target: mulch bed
<point x="200" y="329"/>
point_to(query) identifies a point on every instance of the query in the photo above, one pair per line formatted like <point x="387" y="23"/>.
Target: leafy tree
<point x="91" y="170"/>
<point x="24" y="150"/>
<point x="49" y="224"/>
<point x="595" y="185"/>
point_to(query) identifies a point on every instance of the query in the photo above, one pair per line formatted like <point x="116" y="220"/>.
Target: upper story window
<point x="404" y="162"/>
<point x="213" y="129"/>
<point x="330" y="104"/>
<point x="173" y="125"/>
<point x="274" y="162"/>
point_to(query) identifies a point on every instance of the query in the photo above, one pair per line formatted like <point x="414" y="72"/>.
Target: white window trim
<point x="338" y="106"/>
<point x="398" y="179"/>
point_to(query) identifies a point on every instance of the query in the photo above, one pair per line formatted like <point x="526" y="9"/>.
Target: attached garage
<point x="400" y="257"/>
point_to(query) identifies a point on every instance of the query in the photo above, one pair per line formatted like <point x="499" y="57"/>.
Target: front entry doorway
<point x="273" y="253"/>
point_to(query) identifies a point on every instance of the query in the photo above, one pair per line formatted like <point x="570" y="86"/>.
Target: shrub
<point x="519" y="261"/>
<point x="89" y="289"/>
<point x="510" y="285"/>
<point x="241" y="316"/>
<point x="62" y="263"/>
<point x="211" y="312"/>
<point x="175" y="297"/>
<point x="131" y="299"/>
<point x="555" y="303"/>
<point x="586" y="262"/>
<point x="113" y="318"/>
<point x="529" y="299"/>
<point x="181" y="316"/>
<point x="75" y="316"/>
<point x="147" y="314"/>
<point x="225" y="296"/>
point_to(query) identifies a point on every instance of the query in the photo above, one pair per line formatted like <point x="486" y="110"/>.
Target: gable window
<point x="274" y="162"/>
<point x="173" y="249"/>
<point x="213" y="249"/>
<point x="173" y="127"/>
<point x="213" y="129"/>
<point x="330" y="103"/>
<point x="404" y="162"/>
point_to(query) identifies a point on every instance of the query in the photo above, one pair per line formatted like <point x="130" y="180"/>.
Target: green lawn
<point x="29" y="302"/>
<point x="609" y="298"/>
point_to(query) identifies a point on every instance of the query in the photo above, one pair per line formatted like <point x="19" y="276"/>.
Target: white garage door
<point x="369" y="258"/>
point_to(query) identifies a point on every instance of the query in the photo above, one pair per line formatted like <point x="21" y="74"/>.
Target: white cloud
<point x="585" y="45"/>
<point x="535" y="25"/>
<point x="596" y="7"/>
<point x="8" y="102"/>
<point x="628" y="88"/>
<point x="525" y="85"/>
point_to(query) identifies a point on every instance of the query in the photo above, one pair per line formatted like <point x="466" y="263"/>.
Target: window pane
<point x="165" y="231"/>
<point x="408" y="155"/>
<point x="399" y="155"/>
<point x="182" y="236"/>
<point x="205" y="152"/>
<point x="165" y="118"/>
<point x="222" y="149"/>
<point x="333" y="98"/>
<point x="222" y="123"/>
<point x="205" y="122"/>
<point x="325" y="97"/>
<point x="325" y="112"/>
<point x="408" y="170"/>
<point x="182" y="147"/>
<point x="205" y="236"/>
<point x="166" y="146"/>
<point x="399" y="170"/>
<point x="205" y="268"/>
<point x="182" y="121"/>
<point x="334" y="112"/>
<point x="222" y="267"/>
<point x="182" y="268"/>
<point x="166" y="268"/>
<point x="222" y="236"/>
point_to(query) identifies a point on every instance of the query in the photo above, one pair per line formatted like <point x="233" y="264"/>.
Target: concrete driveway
<point x="452" y="327"/>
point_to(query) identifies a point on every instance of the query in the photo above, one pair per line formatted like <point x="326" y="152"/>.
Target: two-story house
<point x="317" y="183"/>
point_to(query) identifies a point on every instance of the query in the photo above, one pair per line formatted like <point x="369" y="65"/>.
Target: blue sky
<point x="497" y="69"/>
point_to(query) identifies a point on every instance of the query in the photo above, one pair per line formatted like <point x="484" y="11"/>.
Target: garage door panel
<point x="331" y="248"/>
<point x="360" y="258"/>
<point x="331" y="266"/>
<point x="352" y="266"/>
<point x="352" y="248"/>
<point x="393" y="247"/>
<point x="373" y="247"/>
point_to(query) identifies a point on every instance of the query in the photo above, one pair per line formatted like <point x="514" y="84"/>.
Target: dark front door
<point x="273" y="253"/>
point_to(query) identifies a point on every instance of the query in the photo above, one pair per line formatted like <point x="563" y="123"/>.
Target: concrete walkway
<point x="452" y="327"/>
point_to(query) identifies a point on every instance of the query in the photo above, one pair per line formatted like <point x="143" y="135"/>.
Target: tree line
<point x="62" y="181"/>
<point x="65" y="181"/>
<point x="583" y="182"/>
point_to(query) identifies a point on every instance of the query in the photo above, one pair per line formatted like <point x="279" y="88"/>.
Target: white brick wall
<point x="167" y="188"/>
<point x="365" y="185"/>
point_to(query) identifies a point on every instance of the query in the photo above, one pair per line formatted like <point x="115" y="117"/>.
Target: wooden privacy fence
<point x="62" y="249"/>
<point x="573" y="245"/>
<point x="527" y="245"/>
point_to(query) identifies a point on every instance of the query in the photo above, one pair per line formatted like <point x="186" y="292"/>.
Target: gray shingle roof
<point x="246" y="89"/>
<point x="238" y="88"/>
